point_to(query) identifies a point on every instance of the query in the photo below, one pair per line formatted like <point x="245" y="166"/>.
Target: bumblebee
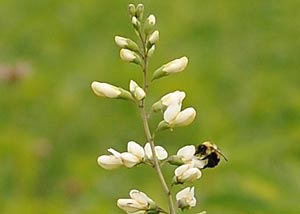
<point x="211" y="153"/>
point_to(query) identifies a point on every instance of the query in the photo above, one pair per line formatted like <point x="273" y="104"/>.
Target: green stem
<point x="150" y="138"/>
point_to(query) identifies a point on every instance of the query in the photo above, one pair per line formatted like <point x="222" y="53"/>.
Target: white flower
<point x="185" y="198"/>
<point x="186" y="155"/>
<point x="127" y="55"/>
<point x="137" y="92"/>
<point x="105" y="90"/>
<point x="138" y="203"/>
<point x="110" y="161"/>
<point x="134" y="155"/>
<point x="173" y="97"/>
<point x="176" y="65"/>
<point x="154" y="37"/>
<point x="174" y="117"/>
<point x="187" y="173"/>
<point x="161" y="153"/>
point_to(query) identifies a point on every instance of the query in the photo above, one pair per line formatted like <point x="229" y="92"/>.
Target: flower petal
<point x="140" y="197"/>
<point x="185" y="117"/>
<point x="129" y="205"/>
<point x="186" y="152"/>
<point x="148" y="151"/>
<point x="129" y="160"/>
<point x="161" y="153"/>
<point x="171" y="112"/>
<point x="109" y="161"/>
<point x="114" y="152"/>
<point x="136" y="149"/>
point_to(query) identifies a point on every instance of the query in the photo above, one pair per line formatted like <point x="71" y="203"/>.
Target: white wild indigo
<point x="189" y="166"/>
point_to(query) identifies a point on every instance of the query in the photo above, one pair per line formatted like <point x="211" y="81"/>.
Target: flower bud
<point x="123" y="42"/>
<point x="154" y="37"/>
<point x="175" y="66"/>
<point x="151" y="51"/>
<point x="130" y="56"/>
<point x="185" y="198"/>
<point x="136" y="23"/>
<point x="175" y="160"/>
<point x="149" y="24"/>
<point x="131" y="9"/>
<point x="137" y="92"/>
<point x="139" y="11"/>
<point x="110" y="91"/>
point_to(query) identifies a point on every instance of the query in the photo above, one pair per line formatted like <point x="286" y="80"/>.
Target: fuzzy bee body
<point x="209" y="152"/>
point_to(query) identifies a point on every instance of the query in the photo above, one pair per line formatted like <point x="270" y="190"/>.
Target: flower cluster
<point x="171" y="103"/>
<point x="189" y="160"/>
<point x="190" y="165"/>
<point x="135" y="154"/>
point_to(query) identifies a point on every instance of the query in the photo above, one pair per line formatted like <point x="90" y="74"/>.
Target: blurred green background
<point x="243" y="79"/>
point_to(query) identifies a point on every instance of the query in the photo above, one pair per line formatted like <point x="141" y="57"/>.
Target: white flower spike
<point x="185" y="198"/>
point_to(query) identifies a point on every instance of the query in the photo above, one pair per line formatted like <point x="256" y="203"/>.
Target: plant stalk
<point x="149" y="136"/>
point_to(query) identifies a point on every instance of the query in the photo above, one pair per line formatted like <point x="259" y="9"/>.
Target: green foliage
<point x="243" y="78"/>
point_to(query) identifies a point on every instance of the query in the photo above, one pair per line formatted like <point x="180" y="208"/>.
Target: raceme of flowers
<point x="189" y="166"/>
